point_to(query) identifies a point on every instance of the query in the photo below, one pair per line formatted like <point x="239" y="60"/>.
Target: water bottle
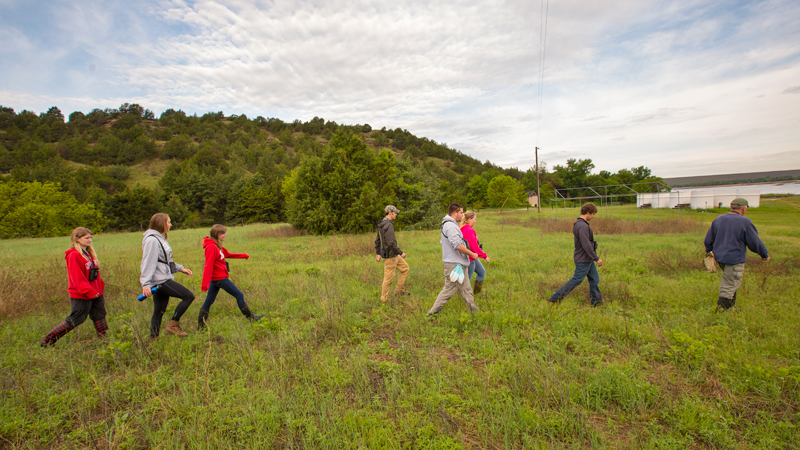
<point x="141" y="297"/>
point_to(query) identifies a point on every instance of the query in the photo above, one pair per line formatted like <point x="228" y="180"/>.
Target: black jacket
<point x="584" y="242"/>
<point x="386" y="231"/>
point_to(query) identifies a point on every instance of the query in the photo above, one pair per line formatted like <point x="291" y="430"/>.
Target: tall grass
<point x="330" y="366"/>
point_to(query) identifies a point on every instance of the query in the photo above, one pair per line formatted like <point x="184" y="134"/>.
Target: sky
<point x="683" y="87"/>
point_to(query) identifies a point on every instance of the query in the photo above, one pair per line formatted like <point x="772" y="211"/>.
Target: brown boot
<point x="478" y="287"/>
<point x="174" y="327"/>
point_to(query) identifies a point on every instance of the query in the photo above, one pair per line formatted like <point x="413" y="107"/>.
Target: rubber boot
<point x="247" y="313"/>
<point x="101" y="327"/>
<point x="57" y="333"/>
<point x="201" y="319"/>
<point x="174" y="327"/>
<point x="478" y="287"/>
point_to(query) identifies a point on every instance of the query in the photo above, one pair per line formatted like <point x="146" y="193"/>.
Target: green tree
<point x="131" y="209"/>
<point x="504" y="187"/>
<point x="338" y="192"/>
<point x="43" y="209"/>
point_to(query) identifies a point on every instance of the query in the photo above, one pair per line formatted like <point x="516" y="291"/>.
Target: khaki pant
<point x="450" y="288"/>
<point x="731" y="279"/>
<point x="389" y="266"/>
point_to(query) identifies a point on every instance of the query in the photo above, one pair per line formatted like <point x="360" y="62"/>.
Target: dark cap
<point x="739" y="202"/>
<point x="390" y="208"/>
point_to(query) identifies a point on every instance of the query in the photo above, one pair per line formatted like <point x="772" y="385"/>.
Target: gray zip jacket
<point x="451" y="239"/>
<point x="153" y="272"/>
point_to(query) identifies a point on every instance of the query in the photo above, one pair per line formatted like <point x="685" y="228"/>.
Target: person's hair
<point x="159" y="223"/>
<point x="467" y="216"/>
<point x="78" y="233"/>
<point x="588" y="208"/>
<point x="453" y="208"/>
<point x="736" y="207"/>
<point x="216" y="231"/>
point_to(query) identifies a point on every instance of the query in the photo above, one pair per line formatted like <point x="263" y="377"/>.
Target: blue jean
<point x="226" y="285"/>
<point x="476" y="267"/>
<point x="582" y="270"/>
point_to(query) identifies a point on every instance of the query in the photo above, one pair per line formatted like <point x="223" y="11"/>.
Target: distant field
<point x="699" y="180"/>
<point x="331" y="367"/>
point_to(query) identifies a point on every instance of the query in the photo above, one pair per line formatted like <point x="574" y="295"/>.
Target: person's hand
<point x="473" y="255"/>
<point x="599" y="262"/>
<point x="187" y="271"/>
<point x="403" y="255"/>
<point x="766" y="259"/>
<point x="146" y="291"/>
<point x="488" y="260"/>
<point x="377" y="258"/>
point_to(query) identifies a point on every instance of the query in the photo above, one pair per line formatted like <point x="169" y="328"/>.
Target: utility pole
<point x="538" y="189"/>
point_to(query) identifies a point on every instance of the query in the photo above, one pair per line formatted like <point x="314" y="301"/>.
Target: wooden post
<point x="501" y="206"/>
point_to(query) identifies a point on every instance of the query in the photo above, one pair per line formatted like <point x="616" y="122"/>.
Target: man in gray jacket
<point x="584" y="257"/>
<point x="393" y="258"/>
<point x="455" y="252"/>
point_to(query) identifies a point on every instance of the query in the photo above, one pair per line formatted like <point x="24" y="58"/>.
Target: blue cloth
<point x="476" y="267"/>
<point x="582" y="270"/>
<point x="226" y="285"/>
<point x="729" y="237"/>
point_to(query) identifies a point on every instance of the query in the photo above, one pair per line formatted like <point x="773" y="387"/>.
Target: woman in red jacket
<point x="215" y="275"/>
<point x="85" y="288"/>
<point x="475" y="266"/>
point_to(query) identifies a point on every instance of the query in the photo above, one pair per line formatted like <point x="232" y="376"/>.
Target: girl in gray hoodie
<point x="157" y="270"/>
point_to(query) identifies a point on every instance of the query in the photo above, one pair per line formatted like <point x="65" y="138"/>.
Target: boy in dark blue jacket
<point x="729" y="237"/>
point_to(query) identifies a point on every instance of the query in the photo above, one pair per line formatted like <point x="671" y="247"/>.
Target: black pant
<point x="94" y="308"/>
<point x="161" y="300"/>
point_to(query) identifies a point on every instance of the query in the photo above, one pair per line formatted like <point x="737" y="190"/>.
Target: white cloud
<point x="674" y="86"/>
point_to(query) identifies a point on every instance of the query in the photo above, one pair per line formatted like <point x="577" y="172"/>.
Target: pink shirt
<point x="472" y="239"/>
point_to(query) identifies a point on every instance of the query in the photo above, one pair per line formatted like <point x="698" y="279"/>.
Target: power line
<point x="542" y="47"/>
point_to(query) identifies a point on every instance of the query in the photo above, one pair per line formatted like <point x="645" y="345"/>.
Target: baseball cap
<point x="739" y="202"/>
<point x="390" y="208"/>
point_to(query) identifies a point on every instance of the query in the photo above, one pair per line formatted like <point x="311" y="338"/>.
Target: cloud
<point x="626" y="83"/>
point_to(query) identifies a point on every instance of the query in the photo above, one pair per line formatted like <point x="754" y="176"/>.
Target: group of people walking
<point x="157" y="278"/>
<point x="728" y="239"/>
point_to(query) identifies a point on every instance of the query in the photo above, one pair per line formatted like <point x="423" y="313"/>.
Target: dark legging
<point x="161" y="300"/>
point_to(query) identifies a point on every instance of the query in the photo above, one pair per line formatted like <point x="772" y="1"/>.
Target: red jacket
<point x="472" y="239"/>
<point x="78" y="284"/>
<point x="215" y="268"/>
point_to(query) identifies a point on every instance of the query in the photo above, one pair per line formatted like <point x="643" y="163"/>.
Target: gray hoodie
<point x="154" y="272"/>
<point x="451" y="239"/>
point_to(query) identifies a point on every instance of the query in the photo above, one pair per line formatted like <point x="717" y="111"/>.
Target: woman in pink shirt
<point x="475" y="266"/>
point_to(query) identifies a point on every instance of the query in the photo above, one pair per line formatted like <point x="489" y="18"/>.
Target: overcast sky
<point x="683" y="87"/>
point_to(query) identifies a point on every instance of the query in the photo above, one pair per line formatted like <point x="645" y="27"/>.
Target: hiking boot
<point x="725" y="303"/>
<point x="478" y="287"/>
<point x="174" y="327"/>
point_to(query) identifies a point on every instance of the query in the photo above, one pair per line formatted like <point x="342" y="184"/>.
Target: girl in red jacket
<point x="85" y="288"/>
<point x="215" y="275"/>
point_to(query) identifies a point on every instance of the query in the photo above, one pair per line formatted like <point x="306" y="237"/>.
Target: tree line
<point x="58" y="173"/>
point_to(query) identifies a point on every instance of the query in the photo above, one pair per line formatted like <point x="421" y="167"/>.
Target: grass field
<point x="331" y="367"/>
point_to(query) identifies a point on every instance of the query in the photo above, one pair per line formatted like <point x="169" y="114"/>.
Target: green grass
<point x="331" y="367"/>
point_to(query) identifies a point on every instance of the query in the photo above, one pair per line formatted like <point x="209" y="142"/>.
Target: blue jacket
<point x="730" y="236"/>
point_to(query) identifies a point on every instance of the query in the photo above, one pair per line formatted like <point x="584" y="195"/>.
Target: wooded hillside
<point x="123" y="165"/>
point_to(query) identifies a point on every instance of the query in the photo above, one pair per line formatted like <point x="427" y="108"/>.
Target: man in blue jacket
<point x="729" y="237"/>
<point x="585" y="256"/>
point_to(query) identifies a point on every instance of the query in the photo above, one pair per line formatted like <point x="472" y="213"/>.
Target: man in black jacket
<point x="584" y="256"/>
<point x="393" y="258"/>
